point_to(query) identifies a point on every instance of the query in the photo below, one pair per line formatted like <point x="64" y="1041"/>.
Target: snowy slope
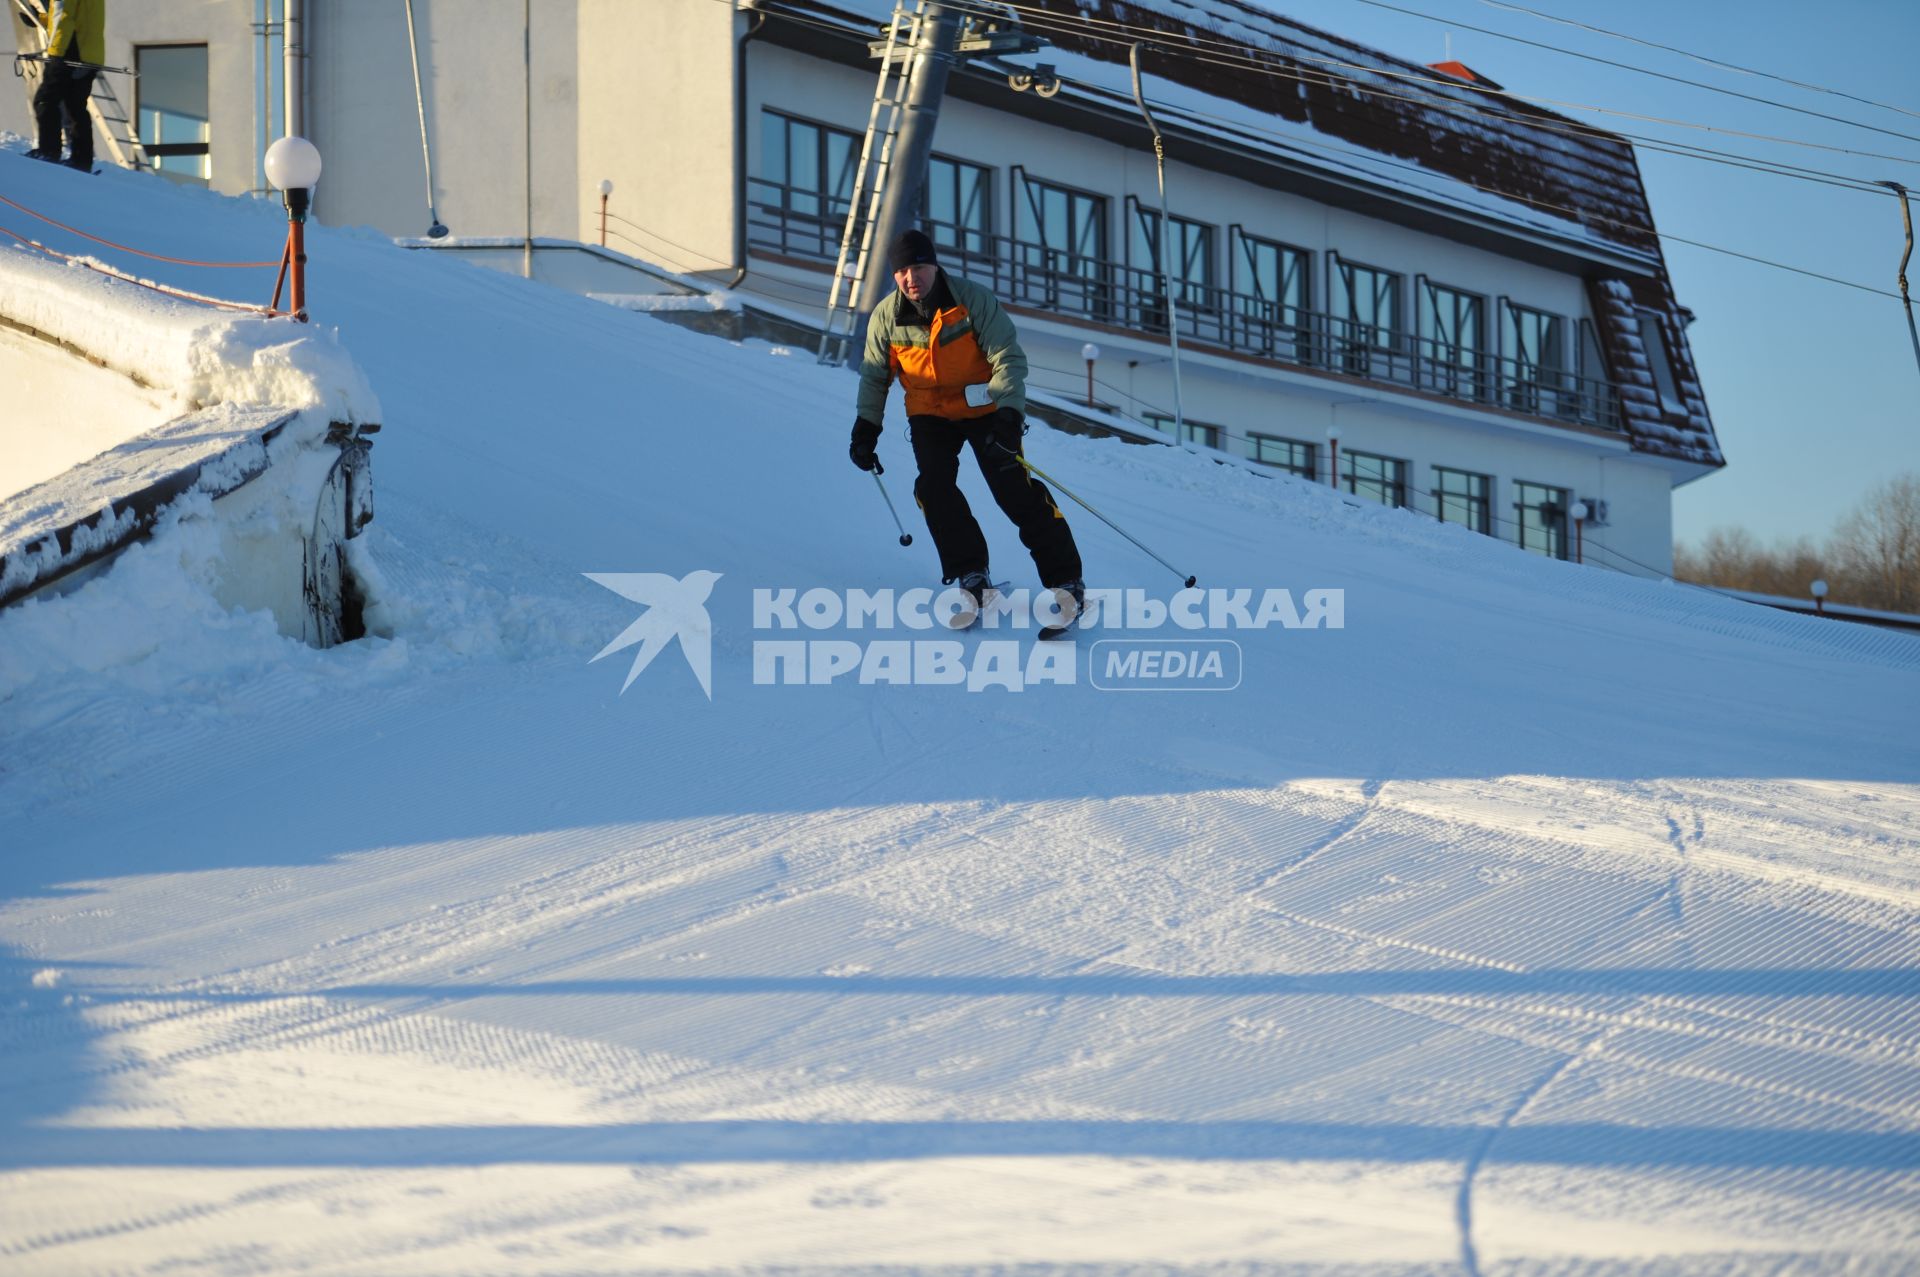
<point x="1537" y="921"/>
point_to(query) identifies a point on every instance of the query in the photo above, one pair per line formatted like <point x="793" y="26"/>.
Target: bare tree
<point x="1877" y="547"/>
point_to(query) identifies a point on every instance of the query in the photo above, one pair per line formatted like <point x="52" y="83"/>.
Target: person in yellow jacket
<point x="76" y="45"/>
<point x="957" y="356"/>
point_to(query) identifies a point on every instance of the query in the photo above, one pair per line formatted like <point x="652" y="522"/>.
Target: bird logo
<point x="675" y="609"/>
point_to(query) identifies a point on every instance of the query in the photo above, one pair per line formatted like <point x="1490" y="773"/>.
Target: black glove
<point x="865" y="435"/>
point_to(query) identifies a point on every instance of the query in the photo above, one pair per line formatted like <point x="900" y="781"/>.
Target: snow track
<point x="1540" y="923"/>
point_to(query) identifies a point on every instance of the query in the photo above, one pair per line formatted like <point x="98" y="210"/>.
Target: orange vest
<point x="936" y="376"/>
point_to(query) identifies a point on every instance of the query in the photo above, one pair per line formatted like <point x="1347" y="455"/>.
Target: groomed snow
<point x="1538" y="921"/>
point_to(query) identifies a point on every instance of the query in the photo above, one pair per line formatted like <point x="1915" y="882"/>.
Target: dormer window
<point x="1653" y="337"/>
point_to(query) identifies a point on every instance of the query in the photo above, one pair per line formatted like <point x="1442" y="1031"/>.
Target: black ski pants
<point x="995" y="441"/>
<point x="64" y="91"/>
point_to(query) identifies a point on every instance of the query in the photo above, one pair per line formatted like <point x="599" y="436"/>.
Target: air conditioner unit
<point x="1596" y="512"/>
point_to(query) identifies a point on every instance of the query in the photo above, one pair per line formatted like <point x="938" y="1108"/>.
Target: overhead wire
<point x="1239" y="53"/>
<point x="1545" y="205"/>
<point x="1347" y="155"/>
<point x="1045" y="21"/>
<point x="1161" y="43"/>
<point x="1627" y="66"/>
<point x="1698" y="57"/>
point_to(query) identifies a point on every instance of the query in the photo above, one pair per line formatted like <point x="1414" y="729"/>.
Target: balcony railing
<point x="808" y="225"/>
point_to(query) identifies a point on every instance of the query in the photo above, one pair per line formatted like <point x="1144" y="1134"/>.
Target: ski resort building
<point x="1394" y="278"/>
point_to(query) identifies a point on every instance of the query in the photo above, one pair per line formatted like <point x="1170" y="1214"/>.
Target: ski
<point x="1071" y="610"/>
<point x="967" y="619"/>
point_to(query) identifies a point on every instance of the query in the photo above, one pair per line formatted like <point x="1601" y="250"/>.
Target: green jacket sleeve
<point x="993" y="330"/>
<point x="60" y="29"/>
<point x="876" y="364"/>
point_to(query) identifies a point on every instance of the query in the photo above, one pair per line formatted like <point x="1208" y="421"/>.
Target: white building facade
<point x="1467" y="295"/>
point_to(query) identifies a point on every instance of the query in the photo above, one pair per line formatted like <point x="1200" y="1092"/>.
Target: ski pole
<point x="906" y="537"/>
<point x="1033" y="469"/>
<point x="46" y="60"/>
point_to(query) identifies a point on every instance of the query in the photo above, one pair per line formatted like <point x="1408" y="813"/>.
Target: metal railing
<point x="806" y="224"/>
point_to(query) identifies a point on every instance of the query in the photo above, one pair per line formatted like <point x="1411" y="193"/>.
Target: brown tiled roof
<point x="1412" y="113"/>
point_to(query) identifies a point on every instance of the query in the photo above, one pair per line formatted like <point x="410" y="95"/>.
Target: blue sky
<point x="1813" y="387"/>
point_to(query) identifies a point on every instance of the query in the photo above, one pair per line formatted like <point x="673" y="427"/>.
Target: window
<point x="1451" y="327"/>
<point x="1542" y="518"/>
<point x="958" y="209"/>
<point x="1366" y="315"/>
<point x="1061" y="246"/>
<point x="1462" y="497"/>
<point x="1653" y="336"/>
<point x="1290" y="455"/>
<point x="1192" y="266"/>
<point x="1197" y="431"/>
<point x="171" y="106"/>
<point x="1596" y="399"/>
<point x="1271" y="297"/>
<point x="1382" y="479"/>
<point x="806" y="177"/>
<point x="1538" y="343"/>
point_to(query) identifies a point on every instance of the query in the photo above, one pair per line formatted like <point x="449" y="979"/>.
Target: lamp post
<point x="1579" y="513"/>
<point x="1089" y="352"/>
<point x="293" y="165"/>
<point x="606" y="189"/>
<point x="1333" y="457"/>
<point x="1819" y="591"/>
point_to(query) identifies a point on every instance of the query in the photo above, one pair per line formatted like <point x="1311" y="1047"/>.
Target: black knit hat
<point x="911" y="248"/>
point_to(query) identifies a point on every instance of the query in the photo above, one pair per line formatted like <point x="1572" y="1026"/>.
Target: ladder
<point x="842" y="330"/>
<point x="112" y="125"/>
<point x="113" y="129"/>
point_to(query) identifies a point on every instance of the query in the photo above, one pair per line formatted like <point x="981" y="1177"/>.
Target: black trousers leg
<point x="61" y="100"/>
<point x="79" y="92"/>
<point x="1024" y="499"/>
<point x="49" y="101"/>
<point x="956" y="533"/>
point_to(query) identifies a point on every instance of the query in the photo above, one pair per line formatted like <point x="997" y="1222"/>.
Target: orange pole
<point x="603" y="221"/>
<point x="280" y="280"/>
<point x="297" y="246"/>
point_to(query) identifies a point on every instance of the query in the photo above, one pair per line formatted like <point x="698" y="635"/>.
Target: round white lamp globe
<point x="1089" y="352"/>
<point x="293" y="163"/>
<point x="1579" y="512"/>
<point x="1333" y="434"/>
<point x="606" y="187"/>
<point x="1819" y="589"/>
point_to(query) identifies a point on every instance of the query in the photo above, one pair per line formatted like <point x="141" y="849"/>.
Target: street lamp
<point x="293" y="165"/>
<point x="1819" y="591"/>
<point x="1579" y="513"/>
<point x="606" y="189"/>
<point x="1333" y="456"/>
<point x="1089" y="352"/>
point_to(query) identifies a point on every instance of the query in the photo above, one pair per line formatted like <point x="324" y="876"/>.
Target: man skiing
<point x="76" y="35"/>
<point x="959" y="360"/>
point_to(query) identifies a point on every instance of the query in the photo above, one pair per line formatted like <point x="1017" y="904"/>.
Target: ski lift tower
<point x="923" y="40"/>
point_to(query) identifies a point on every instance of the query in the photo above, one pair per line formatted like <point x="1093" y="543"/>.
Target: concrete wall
<point x="656" y="117"/>
<point x="480" y="90"/>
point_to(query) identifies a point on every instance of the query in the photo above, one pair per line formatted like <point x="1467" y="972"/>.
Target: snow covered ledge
<point x="135" y="410"/>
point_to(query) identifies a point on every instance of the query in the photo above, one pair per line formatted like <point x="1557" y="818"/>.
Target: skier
<point x="76" y="35"/>
<point x="959" y="360"/>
